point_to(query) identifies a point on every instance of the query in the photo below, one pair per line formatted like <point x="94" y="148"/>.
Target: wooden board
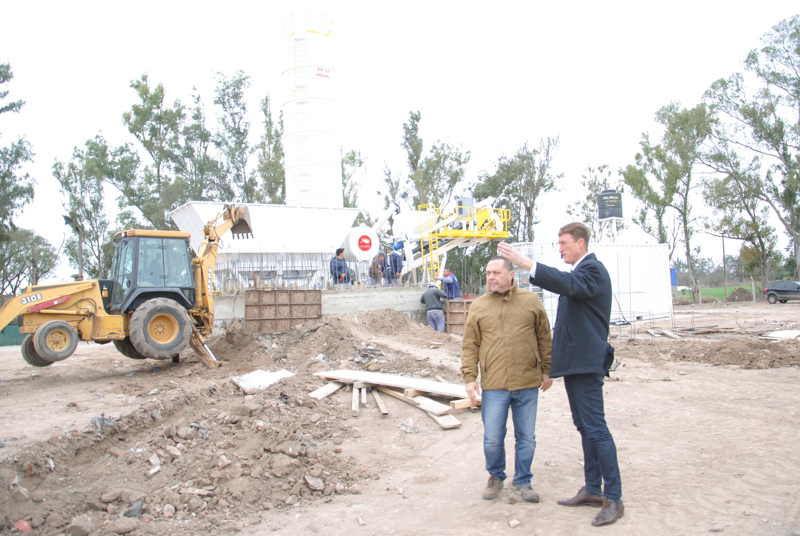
<point x="432" y="406"/>
<point x="668" y="333"/>
<point x="401" y="382"/>
<point x="399" y="396"/>
<point x="411" y="393"/>
<point x="356" y="401"/>
<point x="445" y="421"/>
<point x="363" y="396"/>
<point x="464" y="403"/>
<point x="379" y="401"/>
<point x="326" y="390"/>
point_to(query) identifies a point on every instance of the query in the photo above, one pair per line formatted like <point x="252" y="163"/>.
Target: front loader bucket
<point x="241" y="227"/>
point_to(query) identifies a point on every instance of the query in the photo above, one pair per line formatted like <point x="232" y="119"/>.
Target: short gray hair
<point x="506" y="263"/>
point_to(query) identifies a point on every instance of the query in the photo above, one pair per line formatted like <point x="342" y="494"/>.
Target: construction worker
<point x="450" y="285"/>
<point x="432" y="298"/>
<point x="339" y="271"/>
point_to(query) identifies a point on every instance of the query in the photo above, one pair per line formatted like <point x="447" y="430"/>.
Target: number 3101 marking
<point x="30" y="299"/>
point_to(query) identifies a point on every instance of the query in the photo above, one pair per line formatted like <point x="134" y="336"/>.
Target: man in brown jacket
<point x="507" y="342"/>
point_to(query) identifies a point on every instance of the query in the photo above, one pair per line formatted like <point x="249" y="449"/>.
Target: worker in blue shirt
<point x="450" y="284"/>
<point x="339" y="271"/>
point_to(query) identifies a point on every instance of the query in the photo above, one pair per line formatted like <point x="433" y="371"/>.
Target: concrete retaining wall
<point x="401" y="299"/>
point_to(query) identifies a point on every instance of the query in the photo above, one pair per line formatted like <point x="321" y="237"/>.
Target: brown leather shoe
<point x="609" y="514"/>
<point x="493" y="488"/>
<point x="584" y="499"/>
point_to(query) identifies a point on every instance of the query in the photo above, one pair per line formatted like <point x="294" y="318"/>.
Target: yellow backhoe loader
<point x="158" y="300"/>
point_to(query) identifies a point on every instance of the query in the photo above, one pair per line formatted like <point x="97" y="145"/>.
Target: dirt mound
<point x="741" y="295"/>
<point x="749" y="353"/>
<point x="197" y="456"/>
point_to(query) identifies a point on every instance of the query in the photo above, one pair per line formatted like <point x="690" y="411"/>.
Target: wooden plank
<point x="445" y="421"/>
<point x="652" y="332"/>
<point x="399" y="396"/>
<point x="401" y="382"/>
<point x="379" y="401"/>
<point x="432" y="406"/>
<point x="670" y="334"/>
<point x="464" y="403"/>
<point x="439" y="378"/>
<point x="326" y="390"/>
<point x="356" y="402"/>
<point x="411" y="393"/>
<point x="359" y="385"/>
<point x="363" y="396"/>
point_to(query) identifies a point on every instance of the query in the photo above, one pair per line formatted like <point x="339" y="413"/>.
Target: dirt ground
<point x="707" y="429"/>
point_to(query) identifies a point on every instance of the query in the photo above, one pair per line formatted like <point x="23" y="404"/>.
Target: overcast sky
<point x="489" y="78"/>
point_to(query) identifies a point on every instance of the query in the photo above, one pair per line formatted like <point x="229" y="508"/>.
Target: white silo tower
<point x="311" y="140"/>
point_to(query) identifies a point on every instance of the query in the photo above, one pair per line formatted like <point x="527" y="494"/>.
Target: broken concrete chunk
<point x="258" y="380"/>
<point x="80" y="526"/>
<point x="123" y="525"/>
<point x="316" y="484"/>
<point x="110" y="495"/>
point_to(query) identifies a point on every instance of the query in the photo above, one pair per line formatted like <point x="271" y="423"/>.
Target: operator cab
<point x="150" y="264"/>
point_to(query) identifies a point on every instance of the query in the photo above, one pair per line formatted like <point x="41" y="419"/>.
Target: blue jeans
<point x="585" y="394"/>
<point x="436" y="319"/>
<point x="494" y="412"/>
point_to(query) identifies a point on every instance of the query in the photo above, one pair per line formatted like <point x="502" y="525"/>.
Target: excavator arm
<point x="233" y="219"/>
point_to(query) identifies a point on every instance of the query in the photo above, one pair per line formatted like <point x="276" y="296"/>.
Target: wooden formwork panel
<point x="275" y="311"/>
<point x="456" y="316"/>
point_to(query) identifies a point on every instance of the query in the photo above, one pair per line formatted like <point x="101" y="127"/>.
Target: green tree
<point x="197" y="169"/>
<point x="412" y="142"/>
<point x="85" y="203"/>
<point x="232" y="139"/>
<point x="740" y="212"/>
<point x="271" y="157"/>
<point x="519" y="182"/>
<point x="153" y="188"/>
<point x="671" y="166"/>
<point x="585" y="211"/>
<point x="16" y="187"/>
<point x="351" y="163"/>
<point x="25" y="259"/>
<point x="766" y="122"/>
<point x="435" y="176"/>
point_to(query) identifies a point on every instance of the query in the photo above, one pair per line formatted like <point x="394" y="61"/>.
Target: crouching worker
<point x="432" y="298"/>
<point x="507" y="343"/>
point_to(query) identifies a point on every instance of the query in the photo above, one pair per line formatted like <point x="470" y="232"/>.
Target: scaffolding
<point x="445" y="227"/>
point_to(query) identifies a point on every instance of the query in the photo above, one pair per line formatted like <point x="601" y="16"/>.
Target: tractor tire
<point x="125" y="347"/>
<point x="772" y="298"/>
<point x="30" y="356"/>
<point x="160" y="328"/>
<point x="55" y="340"/>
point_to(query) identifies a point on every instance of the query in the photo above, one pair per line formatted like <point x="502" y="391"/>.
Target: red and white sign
<point x="364" y="242"/>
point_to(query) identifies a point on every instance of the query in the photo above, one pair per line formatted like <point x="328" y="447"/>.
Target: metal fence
<point x="296" y="271"/>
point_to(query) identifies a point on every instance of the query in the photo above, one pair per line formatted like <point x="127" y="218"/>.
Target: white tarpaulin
<point x="639" y="274"/>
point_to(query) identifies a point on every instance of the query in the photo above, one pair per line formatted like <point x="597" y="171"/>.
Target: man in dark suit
<point x="582" y="356"/>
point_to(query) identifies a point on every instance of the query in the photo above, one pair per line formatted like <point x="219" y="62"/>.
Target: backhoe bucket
<point x="241" y="218"/>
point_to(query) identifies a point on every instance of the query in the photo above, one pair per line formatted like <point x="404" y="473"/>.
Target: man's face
<point x="571" y="251"/>
<point x="341" y="255"/>
<point x="498" y="279"/>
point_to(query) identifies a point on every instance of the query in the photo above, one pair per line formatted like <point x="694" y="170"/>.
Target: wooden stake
<point x="356" y="404"/>
<point x="379" y="401"/>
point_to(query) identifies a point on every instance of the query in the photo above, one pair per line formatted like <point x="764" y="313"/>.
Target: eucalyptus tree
<point x="518" y="183"/>
<point x="271" y="157"/>
<point x="665" y="176"/>
<point x="764" y="122"/>
<point x="16" y="186"/>
<point x="84" y="202"/>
